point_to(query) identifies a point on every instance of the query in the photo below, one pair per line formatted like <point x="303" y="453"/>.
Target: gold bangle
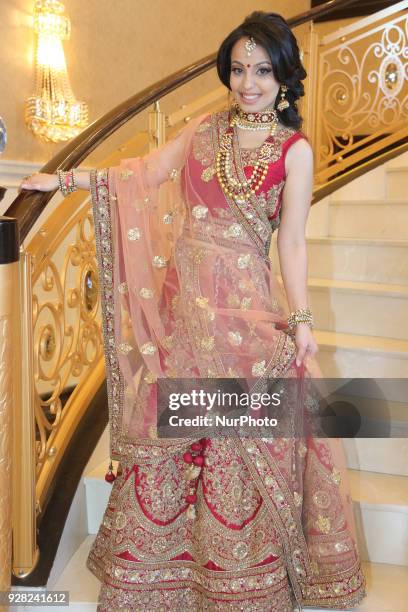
<point x="67" y="182"/>
<point x="301" y="315"/>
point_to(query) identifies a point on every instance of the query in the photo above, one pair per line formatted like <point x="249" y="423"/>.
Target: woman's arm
<point x="49" y="182"/>
<point x="159" y="165"/>
<point x="292" y="249"/>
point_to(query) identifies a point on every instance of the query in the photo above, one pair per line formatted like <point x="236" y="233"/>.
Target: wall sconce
<point x="52" y="113"/>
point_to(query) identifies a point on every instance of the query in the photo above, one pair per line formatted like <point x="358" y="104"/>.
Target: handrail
<point x="9" y="304"/>
<point x="28" y="205"/>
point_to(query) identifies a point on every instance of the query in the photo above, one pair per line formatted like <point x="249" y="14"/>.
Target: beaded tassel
<point x="110" y="476"/>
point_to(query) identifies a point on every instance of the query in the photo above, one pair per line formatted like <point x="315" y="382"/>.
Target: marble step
<point x="369" y="218"/>
<point x="382" y="455"/>
<point x="387" y="589"/>
<point x="396" y="181"/>
<point x="358" y="259"/>
<point x="97" y="492"/>
<point x="381" y="514"/>
<point x="372" y="309"/>
<point x="76" y="578"/>
<point x="344" y="355"/>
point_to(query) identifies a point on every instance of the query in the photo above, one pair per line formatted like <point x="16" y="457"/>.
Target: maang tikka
<point x="250" y="46"/>
<point x="283" y="103"/>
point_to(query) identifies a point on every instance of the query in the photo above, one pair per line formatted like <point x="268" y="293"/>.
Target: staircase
<point x="358" y="266"/>
<point x="358" y="269"/>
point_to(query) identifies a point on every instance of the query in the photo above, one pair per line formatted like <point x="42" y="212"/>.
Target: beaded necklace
<point x="242" y="190"/>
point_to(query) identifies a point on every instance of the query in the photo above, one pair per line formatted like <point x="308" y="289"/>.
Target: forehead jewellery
<point x="250" y="46"/>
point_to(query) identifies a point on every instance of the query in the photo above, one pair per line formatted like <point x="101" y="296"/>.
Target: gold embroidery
<point x="124" y="348"/>
<point x="240" y="550"/>
<point x="150" y="378"/>
<point x="199" y="212"/>
<point x="322" y="499"/>
<point x="208" y="174"/>
<point x="148" y="348"/>
<point x="202" y="144"/>
<point x="233" y="231"/>
<point x="168" y="218"/>
<point x="174" y="302"/>
<point x="233" y="301"/>
<point x="259" y="368"/>
<point x="336" y="476"/>
<point x="202" y="302"/>
<point x="134" y="233"/>
<point x="167" y="342"/>
<point x="159" y="261"/>
<point x="207" y="344"/>
<point x="234" y="338"/>
<point x="203" y="127"/>
<point x="146" y="293"/>
<point x="323" y="523"/>
<point x="120" y="520"/>
<point x="243" y="261"/>
<point x="126" y="174"/>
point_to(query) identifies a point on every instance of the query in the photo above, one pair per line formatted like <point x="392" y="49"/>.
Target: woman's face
<point x="252" y="81"/>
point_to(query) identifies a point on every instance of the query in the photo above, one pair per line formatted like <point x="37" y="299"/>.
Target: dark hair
<point x="271" y="32"/>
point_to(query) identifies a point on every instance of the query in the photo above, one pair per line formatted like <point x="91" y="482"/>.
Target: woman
<point x="183" y="236"/>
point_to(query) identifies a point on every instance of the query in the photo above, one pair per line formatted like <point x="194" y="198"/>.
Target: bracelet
<point x="302" y="315"/>
<point x="67" y="181"/>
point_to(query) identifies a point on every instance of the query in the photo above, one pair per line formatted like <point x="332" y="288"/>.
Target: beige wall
<point x="116" y="49"/>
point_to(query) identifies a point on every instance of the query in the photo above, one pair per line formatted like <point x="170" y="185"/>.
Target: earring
<point x="283" y="104"/>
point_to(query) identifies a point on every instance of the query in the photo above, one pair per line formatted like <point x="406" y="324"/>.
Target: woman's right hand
<point x="40" y="182"/>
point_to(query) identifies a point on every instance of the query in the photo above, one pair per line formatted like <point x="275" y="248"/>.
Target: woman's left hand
<point x="305" y="343"/>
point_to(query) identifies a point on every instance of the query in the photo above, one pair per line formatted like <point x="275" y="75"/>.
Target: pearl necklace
<point x="242" y="191"/>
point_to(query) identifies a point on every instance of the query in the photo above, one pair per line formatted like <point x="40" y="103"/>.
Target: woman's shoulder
<point x="209" y="120"/>
<point x="291" y="136"/>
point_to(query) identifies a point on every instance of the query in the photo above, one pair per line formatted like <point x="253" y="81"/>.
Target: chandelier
<point x="52" y="113"/>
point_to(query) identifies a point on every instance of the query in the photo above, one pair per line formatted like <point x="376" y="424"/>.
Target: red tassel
<point x="110" y="476"/>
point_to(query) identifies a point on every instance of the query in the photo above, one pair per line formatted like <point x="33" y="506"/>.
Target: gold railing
<point x="61" y="344"/>
<point x="9" y="338"/>
<point x="357" y="102"/>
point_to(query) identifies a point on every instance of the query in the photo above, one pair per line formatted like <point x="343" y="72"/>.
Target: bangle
<point x="67" y="181"/>
<point x="302" y="315"/>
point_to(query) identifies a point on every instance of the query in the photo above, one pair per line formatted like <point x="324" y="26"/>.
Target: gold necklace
<point x="264" y="120"/>
<point x="233" y="188"/>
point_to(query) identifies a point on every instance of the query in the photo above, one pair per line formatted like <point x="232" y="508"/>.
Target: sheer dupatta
<point x="138" y="213"/>
<point x="187" y="291"/>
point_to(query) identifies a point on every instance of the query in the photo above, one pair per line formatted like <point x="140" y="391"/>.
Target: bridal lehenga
<point x="188" y="292"/>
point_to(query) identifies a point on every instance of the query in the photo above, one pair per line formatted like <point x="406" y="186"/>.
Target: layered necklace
<point x="243" y="190"/>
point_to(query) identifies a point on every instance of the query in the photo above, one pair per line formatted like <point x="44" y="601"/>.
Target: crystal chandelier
<point x="52" y="113"/>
